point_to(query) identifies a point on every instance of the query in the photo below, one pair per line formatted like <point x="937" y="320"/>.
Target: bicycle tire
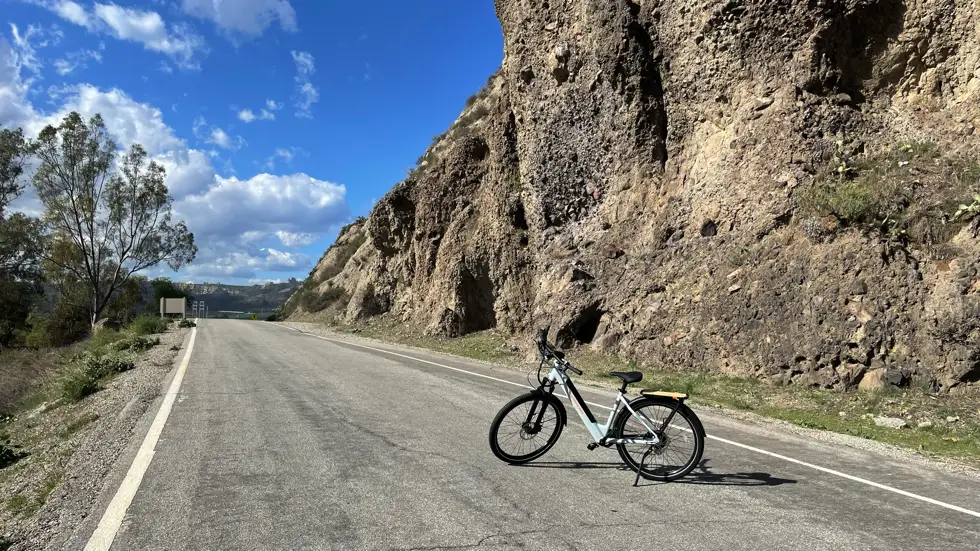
<point x="549" y="401"/>
<point x="695" y="434"/>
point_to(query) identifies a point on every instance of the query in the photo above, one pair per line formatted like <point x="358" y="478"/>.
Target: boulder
<point x="878" y="379"/>
<point x="107" y="324"/>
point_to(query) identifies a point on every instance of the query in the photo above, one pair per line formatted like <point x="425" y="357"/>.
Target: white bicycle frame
<point x="598" y="431"/>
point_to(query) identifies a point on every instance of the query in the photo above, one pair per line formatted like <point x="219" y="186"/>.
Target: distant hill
<point x="242" y="298"/>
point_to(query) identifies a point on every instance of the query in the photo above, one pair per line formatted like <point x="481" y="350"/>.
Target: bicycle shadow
<point x="701" y="475"/>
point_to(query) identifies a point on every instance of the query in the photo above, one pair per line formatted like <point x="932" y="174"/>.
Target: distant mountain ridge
<point x="241" y="298"/>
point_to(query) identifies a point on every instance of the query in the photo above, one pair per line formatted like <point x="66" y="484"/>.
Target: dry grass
<point x="24" y="372"/>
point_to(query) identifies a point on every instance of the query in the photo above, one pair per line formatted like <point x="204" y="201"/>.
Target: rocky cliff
<point x="766" y="188"/>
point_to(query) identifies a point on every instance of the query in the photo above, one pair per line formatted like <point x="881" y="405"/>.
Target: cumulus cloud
<point x="221" y="139"/>
<point x="178" y="41"/>
<point x="266" y="203"/>
<point x="242" y="226"/>
<point x="243" y="17"/>
<point x="246" y="115"/>
<point x="307" y="94"/>
<point x="216" y="136"/>
<point x="292" y="240"/>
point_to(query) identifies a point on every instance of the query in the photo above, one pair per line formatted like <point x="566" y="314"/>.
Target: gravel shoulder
<point x="72" y="451"/>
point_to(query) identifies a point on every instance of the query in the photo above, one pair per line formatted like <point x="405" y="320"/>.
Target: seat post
<point x="623" y="388"/>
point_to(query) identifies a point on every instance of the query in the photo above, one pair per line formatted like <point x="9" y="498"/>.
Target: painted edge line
<point x="722" y="440"/>
<point x="105" y="532"/>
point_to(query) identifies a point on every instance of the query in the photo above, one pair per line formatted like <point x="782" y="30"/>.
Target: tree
<point x="128" y="299"/>
<point x="21" y="243"/>
<point x="12" y="149"/>
<point x="163" y="287"/>
<point x="107" y="222"/>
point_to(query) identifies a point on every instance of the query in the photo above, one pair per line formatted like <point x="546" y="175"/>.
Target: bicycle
<point x="538" y="417"/>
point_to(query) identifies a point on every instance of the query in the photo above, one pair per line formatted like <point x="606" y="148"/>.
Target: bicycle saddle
<point x="628" y="377"/>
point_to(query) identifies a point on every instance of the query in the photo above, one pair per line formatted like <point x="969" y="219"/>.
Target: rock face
<point x="757" y="188"/>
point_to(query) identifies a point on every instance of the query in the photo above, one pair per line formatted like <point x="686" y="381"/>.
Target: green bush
<point x="149" y="325"/>
<point x="64" y="326"/>
<point x="186" y="323"/>
<point x="102" y="341"/>
<point x="77" y="383"/>
<point x="105" y="366"/>
<point x="135" y="344"/>
<point x="85" y="370"/>
<point x="855" y="202"/>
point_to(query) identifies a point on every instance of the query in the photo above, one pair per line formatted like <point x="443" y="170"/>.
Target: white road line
<point x="105" y="533"/>
<point x="722" y="440"/>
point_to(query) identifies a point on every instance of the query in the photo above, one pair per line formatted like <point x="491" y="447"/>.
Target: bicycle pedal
<point x="593" y="446"/>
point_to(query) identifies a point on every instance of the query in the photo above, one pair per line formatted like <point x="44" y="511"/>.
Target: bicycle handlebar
<point x="548" y="350"/>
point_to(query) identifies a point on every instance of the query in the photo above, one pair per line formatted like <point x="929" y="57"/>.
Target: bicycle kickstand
<point x="643" y="460"/>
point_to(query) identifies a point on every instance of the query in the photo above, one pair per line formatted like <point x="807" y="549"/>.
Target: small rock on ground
<point x="891" y="422"/>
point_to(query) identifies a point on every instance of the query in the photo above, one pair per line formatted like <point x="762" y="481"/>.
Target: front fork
<point x="532" y="424"/>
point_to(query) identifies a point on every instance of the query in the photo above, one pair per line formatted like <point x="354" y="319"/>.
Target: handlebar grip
<point x="573" y="369"/>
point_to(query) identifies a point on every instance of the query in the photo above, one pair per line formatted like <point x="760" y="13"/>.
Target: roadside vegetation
<point x="71" y="274"/>
<point x="935" y="425"/>
<point x="72" y="302"/>
<point x="51" y="403"/>
<point x="910" y="196"/>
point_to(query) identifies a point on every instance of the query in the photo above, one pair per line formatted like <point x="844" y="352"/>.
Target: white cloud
<point x="285" y="154"/>
<point x="295" y="203"/>
<point x="307" y="93"/>
<point x="72" y="12"/>
<point x="76" y="60"/>
<point x="215" y="136"/>
<point x="246" y="265"/>
<point x="243" y="226"/>
<point x="33" y="37"/>
<point x="290" y="239"/>
<point x="243" y="17"/>
<point x="221" y="139"/>
<point x="166" y="68"/>
<point x="247" y="115"/>
<point x="148" y="28"/>
<point x="126" y="119"/>
<point x="177" y="41"/>
<point x="305" y="63"/>
<point x="272" y="105"/>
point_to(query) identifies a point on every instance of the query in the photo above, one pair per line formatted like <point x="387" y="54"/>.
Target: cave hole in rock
<point x="518" y="218"/>
<point x="476" y="300"/>
<point x="582" y="329"/>
<point x="709" y="229"/>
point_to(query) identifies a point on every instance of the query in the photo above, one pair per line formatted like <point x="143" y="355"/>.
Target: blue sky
<point x="277" y="120"/>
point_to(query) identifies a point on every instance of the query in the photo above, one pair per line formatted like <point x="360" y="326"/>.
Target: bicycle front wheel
<point x="682" y="439"/>
<point x="526" y="427"/>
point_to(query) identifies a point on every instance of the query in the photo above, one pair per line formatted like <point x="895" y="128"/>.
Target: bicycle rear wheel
<point x="526" y="427"/>
<point x="682" y="440"/>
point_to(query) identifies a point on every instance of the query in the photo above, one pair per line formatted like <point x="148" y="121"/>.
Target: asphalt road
<point x="282" y="440"/>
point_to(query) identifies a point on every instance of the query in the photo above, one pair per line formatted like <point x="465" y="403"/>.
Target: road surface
<point x="282" y="440"/>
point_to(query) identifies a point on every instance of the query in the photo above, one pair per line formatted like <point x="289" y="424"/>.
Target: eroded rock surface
<point x="635" y="176"/>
